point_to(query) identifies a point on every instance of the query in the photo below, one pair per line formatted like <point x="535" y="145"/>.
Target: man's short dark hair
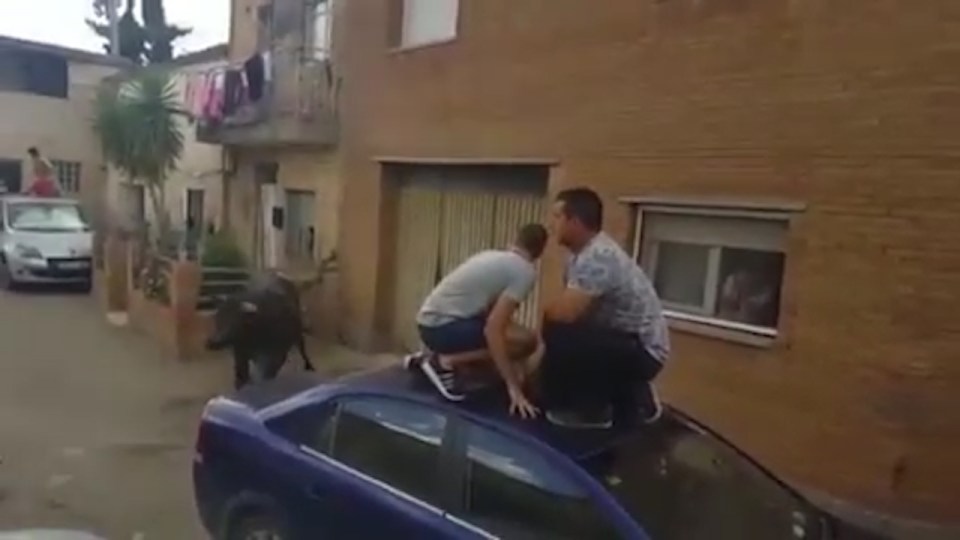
<point x="33" y="151"/>
<point x="532" y="238"/>
<point x="583" y="204"/>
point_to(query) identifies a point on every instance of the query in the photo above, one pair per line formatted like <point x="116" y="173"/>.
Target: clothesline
<point x="217" y="93"/>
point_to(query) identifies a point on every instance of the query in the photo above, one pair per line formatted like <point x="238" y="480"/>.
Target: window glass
<point x="300" y="230"/>
<point x="749" y="288"/>
<point x="715" y="267"/>
<point x="429" y="21"/>
<point x="46" y="217"/>
<point x="514" y="493"/>
<point x="680" y="483"/>
<point x="311" y="426"/>
<point x="392" y="441"/>
<point x="68" y="175"/>
<point x="322" y="23"/>
<point x="681" y="273"/>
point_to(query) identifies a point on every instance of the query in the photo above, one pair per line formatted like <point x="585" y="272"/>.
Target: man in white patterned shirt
<point x="606" y="337"/>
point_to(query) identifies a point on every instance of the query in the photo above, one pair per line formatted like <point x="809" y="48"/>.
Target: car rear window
<point x="680" y="483"/>
<point x="46" y="217"/>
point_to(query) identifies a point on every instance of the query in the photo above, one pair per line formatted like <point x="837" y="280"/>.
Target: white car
<point x="44" y="240"/>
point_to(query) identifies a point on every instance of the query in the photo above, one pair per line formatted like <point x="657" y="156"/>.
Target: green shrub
<point x="220" y="251"/>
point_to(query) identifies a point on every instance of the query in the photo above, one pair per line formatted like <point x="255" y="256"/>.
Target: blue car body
<point x="378" y="455"/>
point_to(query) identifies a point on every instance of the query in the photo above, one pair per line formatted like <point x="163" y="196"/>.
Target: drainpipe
<point x="113" y="21"/>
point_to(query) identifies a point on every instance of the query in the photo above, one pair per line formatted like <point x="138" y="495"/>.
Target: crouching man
<point x="606" y="337"/>
<point x="468" y="318"/>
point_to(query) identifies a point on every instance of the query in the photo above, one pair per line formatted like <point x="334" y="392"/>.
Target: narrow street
<point x="97" y="426"/>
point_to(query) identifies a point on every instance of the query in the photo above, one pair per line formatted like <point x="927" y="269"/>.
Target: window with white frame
<point x="428" y="21"/>
<point x="322" y="28"/>
<point x="716" y="267"/>
<point x="68" y="174"/>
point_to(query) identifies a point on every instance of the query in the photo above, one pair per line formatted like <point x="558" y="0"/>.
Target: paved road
<point x="96" y="426"/>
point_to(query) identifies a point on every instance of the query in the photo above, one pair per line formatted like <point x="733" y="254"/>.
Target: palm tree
<point x="136" y="123"/>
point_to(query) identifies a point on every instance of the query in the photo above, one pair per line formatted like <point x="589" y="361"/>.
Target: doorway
<point x="445" y="214"/>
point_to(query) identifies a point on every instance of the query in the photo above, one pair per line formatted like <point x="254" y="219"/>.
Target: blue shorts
<point x="455" y="337"/>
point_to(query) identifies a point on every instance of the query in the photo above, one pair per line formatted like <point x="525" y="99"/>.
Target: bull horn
<point x="248" y="307"/>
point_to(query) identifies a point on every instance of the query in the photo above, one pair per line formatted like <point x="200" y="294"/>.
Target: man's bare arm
<point x="496" y="334"/>
<point x="569" y="306"/>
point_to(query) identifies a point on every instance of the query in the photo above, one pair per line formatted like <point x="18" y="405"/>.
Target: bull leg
<point x="307" y="363"/>
<point x="241" y="369"/>
<point x="272" y="364"/>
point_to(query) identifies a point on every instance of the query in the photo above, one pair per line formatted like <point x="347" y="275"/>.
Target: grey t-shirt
<point x="625" y="298"/>
<point x="475" y="286"/>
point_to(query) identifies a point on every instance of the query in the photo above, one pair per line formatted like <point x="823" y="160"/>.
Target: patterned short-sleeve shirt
<point x="625" y="297"/>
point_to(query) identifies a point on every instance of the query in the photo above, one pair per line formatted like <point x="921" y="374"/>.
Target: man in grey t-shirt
<point x="606" y="337"/>
<point x="468" y="318"/>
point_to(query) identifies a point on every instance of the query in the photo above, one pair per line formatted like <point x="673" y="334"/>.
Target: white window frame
<point x="68" y="175"/>
<point x="408" y="40"/>
<point x="322" y="15"/>
<point x="703" y="316"/>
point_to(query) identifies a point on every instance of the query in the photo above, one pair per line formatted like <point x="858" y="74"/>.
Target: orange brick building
<point x="810" y="145"/>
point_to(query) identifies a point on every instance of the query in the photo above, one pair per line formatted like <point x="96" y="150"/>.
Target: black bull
<point x="261" y="324"/>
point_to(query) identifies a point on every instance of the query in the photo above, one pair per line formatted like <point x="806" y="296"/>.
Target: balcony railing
<point x="298" y="107"/>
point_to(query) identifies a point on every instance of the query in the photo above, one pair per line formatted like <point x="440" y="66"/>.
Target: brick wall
<point x="849" y="108"/>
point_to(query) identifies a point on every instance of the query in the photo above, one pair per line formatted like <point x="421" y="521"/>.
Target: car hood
<point x="54" y="244"/>
<point x="46" y="534"/>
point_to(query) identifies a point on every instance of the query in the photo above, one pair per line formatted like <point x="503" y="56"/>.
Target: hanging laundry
<point x="233" y="92"/>
<point x="255" y="75"/>
<point x="189" y="89"/>
<point x="213" y="110"/>
<point x="200" y="95"/>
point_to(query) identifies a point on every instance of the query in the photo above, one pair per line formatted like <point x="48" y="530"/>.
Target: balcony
<point x="298" y="107"/>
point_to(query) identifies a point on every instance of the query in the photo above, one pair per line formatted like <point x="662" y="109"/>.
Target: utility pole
<point x="114" y="22"/>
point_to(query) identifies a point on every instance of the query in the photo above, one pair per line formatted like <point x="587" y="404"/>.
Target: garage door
<point x="447" y="214"/>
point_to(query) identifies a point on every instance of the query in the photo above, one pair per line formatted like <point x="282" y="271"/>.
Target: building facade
<point x="193" y="191"/>
<point x="282" y="178"/>
<point x="47" y="98"/>
<point x="782" y="170"/>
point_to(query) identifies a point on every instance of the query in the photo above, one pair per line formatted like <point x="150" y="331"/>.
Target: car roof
<point x="488" y="405"/>
<point x="17" y="198"/>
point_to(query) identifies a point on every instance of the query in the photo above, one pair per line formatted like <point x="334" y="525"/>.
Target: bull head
<point x="229" y="322"/>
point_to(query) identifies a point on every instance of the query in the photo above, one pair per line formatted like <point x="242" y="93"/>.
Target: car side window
<point x="393" y="441"/>
<point x="513" y="492"/>
<point x="311" y="426"/>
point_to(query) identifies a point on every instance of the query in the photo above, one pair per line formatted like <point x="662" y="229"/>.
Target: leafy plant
<point x="136" y="122"/>
<point x="220" y="251"/>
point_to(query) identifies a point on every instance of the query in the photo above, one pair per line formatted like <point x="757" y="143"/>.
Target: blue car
<point x="378" y="455"/>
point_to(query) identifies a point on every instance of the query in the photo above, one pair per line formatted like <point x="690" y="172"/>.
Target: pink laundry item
<point x="214" y="106"/>
<point x="200" y="95"/>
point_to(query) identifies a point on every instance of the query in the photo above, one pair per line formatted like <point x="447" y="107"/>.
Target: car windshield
<point x="681" y="483"/>
<point x="46" y="217"/>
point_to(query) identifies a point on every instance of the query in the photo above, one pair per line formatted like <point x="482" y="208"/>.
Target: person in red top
<point x="44" y="184"/>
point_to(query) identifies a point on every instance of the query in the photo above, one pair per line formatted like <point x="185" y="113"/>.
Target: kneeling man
<point x="469" y="318"/>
